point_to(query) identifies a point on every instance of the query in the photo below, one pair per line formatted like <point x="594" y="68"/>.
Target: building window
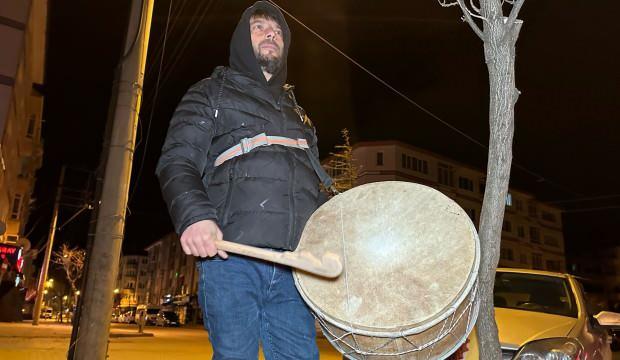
<point x="31" y="124"/>
<point x="532" y="211"/>
<point x="523" y="259"/>
<point x="553" y="265"/>
<point x="534" y="235"/>
<point x="16" y="209"/>
<point x="415" y="164"/>
<point x="551" y="241"/>
<point x="519" y="205"/>
<point x="507" y="227"/>
<point x="548" y="216"/>
<point x="465" y="183"/>
<point x="379" y="158"/>
<point x="506" y="254"/>
<point x="520" y="231"/>
<point x="537" y="262"/>
<point x="444" y="175"/>
<point x="508" y="199"/>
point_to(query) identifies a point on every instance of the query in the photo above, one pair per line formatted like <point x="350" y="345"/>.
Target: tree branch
<point x="473" y="6"/>
<point x="468" y="15"/>
<point x="512" y="18"/>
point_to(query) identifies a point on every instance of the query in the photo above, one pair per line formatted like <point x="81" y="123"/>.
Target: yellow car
<point x="542" y="315"/>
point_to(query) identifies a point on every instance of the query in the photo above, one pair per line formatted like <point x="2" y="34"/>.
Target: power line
<point x="185" y="38"/>
<point x="538" y="176"/>
<point x="175" y="17"/>
<point x="183" y="46"/>
<point x="148" y="127"/>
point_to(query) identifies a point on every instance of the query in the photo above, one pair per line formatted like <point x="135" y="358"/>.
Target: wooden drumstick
<point x="329" y="265"/>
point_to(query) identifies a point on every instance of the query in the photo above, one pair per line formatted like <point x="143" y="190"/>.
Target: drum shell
<point x="436" y="335"/>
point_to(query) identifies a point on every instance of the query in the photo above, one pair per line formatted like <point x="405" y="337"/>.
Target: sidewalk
<point x="50" y="341"/>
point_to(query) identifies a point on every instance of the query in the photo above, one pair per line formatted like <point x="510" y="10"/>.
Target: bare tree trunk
<point x="499" y="51"/>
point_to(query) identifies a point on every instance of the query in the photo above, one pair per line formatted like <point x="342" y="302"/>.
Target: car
<point x="127" y="317"/>
<point x="149" y="312"/>
<point x="151" y="315"/>
<point x="167" y="318"/>
<point x="47" y="313"/>
<point x="543" y="315"/>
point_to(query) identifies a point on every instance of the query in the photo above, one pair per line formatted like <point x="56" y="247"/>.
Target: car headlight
<point x="551" y="349"/>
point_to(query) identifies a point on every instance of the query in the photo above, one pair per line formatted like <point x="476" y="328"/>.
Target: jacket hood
<point x="242" y="56"/>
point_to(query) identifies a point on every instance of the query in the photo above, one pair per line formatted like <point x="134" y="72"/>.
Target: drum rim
<point x="465" y="292"/>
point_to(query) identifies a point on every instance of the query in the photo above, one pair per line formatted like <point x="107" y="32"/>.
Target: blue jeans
<point x="245" y="300"/>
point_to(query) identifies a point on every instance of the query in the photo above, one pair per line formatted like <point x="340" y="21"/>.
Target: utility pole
<point x="94" y="323"/>
<point x="48" y="250"/>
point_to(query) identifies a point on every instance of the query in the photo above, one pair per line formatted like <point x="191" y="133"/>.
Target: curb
<point x="126" y="335"/>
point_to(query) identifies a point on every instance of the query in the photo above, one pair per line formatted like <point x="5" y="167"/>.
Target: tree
<point x="72" y="261"/>
<point x="342" y="166"/>
<point x="499" y="35"/>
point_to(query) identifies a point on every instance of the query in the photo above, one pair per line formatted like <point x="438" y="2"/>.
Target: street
<point x="50" y="340"/>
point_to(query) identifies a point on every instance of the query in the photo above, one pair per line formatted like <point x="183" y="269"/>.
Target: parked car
<point x="167" y="318"/>
<point x="543" y="315"/>
<point x="47" y="313"/>
<point x="128" y="317"/>
<point x="151" y="315"/>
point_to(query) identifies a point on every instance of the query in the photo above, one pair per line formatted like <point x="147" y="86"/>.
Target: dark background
<point x="566" y="126"/>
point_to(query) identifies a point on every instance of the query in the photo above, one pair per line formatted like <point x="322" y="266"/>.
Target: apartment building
<point x="172" y="278"/>
<point x="132" y="280"/>
<point x="601" y="268"/>
<point x="532" y="234"/>
<point x="22" y="58"/>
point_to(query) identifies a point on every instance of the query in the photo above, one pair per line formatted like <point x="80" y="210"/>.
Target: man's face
<point x="267" y="43"/>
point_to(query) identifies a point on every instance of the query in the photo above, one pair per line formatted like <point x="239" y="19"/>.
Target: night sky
<point x="567" y="128"/>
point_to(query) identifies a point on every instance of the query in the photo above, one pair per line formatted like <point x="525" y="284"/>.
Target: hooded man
<point x="239" y="163"/>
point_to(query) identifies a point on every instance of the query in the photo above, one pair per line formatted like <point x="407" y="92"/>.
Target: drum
<point x="408" y="288"/>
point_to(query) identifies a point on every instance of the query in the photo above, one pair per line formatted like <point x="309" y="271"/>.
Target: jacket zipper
<point x="229" y="191"/>
<point x="291" y="186"/>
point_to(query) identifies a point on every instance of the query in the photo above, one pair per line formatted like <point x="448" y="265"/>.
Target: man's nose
<point x="270" y="33"/>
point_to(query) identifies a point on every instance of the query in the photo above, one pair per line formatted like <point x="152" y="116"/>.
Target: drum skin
<point x="410" y="257"/>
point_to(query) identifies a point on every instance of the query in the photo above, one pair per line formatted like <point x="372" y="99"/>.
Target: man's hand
<point x="199" y="239"/>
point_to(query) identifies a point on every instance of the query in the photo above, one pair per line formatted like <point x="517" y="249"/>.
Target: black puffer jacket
<point x="262" y="198"/>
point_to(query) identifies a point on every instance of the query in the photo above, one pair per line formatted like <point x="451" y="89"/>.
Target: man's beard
<point x="270" y="64"/>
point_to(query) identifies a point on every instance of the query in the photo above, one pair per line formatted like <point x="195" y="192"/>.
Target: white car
<point x="128" y="317"/>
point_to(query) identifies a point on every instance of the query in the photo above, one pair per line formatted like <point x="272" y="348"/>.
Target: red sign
<point x="11" y="258"/>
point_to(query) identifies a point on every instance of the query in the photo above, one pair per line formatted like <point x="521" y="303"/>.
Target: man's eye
<point x="279" y="32"/>
<point x="258" y="27"/>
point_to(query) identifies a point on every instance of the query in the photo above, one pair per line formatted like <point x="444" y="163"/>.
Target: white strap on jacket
<point x="248" y="144"/>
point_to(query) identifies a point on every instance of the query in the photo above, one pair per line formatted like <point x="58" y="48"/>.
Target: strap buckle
<point x="246" y="145"/>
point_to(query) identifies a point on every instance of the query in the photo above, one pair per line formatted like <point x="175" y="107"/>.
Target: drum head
<point x="410" y="255"/>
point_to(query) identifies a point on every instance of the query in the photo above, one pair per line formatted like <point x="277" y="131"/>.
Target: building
<point x="22" y="58"/>
<point x="532" y="234"/>
<point x="131" y="281"/>
<point x="600" y="267"/>
<point x="172" y="278"/>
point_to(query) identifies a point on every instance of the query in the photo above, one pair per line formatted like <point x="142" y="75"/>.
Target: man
<point x="240" y="163"/>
